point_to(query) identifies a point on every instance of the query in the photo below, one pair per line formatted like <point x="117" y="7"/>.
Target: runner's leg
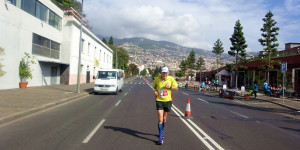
<point x="160" y="125"/>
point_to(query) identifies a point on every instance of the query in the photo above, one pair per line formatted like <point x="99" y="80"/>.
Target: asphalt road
<point x="129" y="121"/>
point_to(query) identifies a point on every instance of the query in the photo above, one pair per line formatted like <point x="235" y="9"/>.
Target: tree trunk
<point x="236" y="74"/>
<point x="217" y="65"/>
<point x="236" y="79"/>
<point x="268" y="74"/>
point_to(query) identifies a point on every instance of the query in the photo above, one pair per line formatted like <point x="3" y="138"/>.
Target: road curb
<point x="37" y="109"/>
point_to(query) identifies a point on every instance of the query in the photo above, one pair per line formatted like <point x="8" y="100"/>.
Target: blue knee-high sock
<point x="160" y="129"/>
<point x="164" y="123"/>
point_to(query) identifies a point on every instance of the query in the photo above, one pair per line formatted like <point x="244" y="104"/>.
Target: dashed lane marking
<point x="118" y="103"/>
<point x="202" y="100"/>
<point x="185" y="93"/>
<point x="86" y="140"/>
<point x="239" y="114"/>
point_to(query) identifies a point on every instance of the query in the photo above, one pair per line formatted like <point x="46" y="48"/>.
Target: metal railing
<point x="45" y="51"/>
<point x="74" y="13"/>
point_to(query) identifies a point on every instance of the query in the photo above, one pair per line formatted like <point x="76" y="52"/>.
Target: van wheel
<point x="116" y="93"/>
<point x="120" y="90"/>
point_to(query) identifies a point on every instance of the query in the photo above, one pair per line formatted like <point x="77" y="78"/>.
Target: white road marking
<point x="205" y="135"/>
<point x="202" y="100"/>
<point x="125" y="94"/>
<point x="185" y="93"/>
<point x="192" y="129"/>
<point x="238" y="114"/>
<point x="207" y="94"/>
<point x="203" y="139"/>
<point x="86" y="140"/>
<point x="118" y="103"/>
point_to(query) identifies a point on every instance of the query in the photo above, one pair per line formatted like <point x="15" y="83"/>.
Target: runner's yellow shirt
<point x="164" y="94"/>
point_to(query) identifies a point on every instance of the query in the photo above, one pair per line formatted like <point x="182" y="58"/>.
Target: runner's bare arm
<point x="155" y="91"/>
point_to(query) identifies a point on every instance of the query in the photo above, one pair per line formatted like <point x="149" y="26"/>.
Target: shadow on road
<point x="291" y="129"/>
<point x="131" y="132"/>
<point x="278" y="110"/>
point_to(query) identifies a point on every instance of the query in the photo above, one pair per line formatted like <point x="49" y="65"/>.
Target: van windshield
<point x="107" y="74"/>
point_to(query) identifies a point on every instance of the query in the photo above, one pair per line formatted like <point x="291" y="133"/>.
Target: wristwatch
<point x="170" y="87"/>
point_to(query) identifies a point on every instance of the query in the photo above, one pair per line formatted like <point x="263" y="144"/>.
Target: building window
<point x="45" y="47"/>
<point x="12" y="2"/>
<point x="41" y="12"/>
<point x="28" y="6"/>
<point x="37" y="9"/>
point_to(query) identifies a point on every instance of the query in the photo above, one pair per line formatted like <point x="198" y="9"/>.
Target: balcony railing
<point x="75" y="14"/>
<point x="45" y="51"/>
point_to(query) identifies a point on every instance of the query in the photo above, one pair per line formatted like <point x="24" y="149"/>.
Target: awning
<point x="224" y="72"/>
<point x="54" y="62"/>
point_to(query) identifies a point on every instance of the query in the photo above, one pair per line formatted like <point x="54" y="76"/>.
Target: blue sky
<point x="193" y="23"/>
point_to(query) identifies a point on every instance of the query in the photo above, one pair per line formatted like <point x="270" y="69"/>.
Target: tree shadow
<point x="255" y="108"/>
<point x="131" y="132"/>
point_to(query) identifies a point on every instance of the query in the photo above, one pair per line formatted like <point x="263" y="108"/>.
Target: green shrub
<point x="24" y="67"/>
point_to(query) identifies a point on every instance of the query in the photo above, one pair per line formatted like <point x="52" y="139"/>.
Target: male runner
<point x="163" y="84"/>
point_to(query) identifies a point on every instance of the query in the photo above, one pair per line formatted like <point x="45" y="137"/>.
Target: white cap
<point x="165" y="70"/>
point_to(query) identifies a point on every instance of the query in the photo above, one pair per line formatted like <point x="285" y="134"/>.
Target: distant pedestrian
<point x="216" y="84"/>
<point x="163" y="84"/>
<point x="255" y="89"/>
<point x="202" y="86"/>
<point x="265" y="86"/>
<point x="268" y="88"/>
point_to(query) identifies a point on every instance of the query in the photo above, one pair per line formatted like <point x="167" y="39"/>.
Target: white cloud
<point x="191" y="23"/>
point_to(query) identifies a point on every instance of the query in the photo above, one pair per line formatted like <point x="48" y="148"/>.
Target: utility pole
<point x="80" y="49"/>
<point x="116" y="58"/>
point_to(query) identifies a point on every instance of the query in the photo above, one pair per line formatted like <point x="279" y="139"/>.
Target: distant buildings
<point x="253" y="72"/>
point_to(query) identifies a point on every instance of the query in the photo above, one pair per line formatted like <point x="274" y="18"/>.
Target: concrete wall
<point x="17" y="28"/>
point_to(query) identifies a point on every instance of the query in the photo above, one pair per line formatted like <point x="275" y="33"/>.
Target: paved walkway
<point x="16" y="103"/>
<point x="290" y="103"/>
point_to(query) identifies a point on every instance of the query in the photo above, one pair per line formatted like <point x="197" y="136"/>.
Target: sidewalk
<point x="290" y="103"/>
<point x="16" y="103"/>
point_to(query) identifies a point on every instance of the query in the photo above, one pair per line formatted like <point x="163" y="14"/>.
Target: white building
<point x="39" y="28"/>
<point x="140" y="67"/>
<point x="94" y="51"/>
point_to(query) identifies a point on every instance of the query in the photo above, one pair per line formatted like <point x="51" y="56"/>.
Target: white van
<point x="109" y="81"/>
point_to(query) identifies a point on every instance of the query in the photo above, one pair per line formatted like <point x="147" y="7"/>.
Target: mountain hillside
<point x="153" y="53"/>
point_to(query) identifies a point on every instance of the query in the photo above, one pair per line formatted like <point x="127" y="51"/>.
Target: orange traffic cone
<point x="188" y="109"/>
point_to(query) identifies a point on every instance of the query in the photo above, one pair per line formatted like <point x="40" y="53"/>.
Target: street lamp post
<point x="80" y="49"/>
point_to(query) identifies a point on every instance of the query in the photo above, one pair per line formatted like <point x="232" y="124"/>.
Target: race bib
<point x="163" y="93"/>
